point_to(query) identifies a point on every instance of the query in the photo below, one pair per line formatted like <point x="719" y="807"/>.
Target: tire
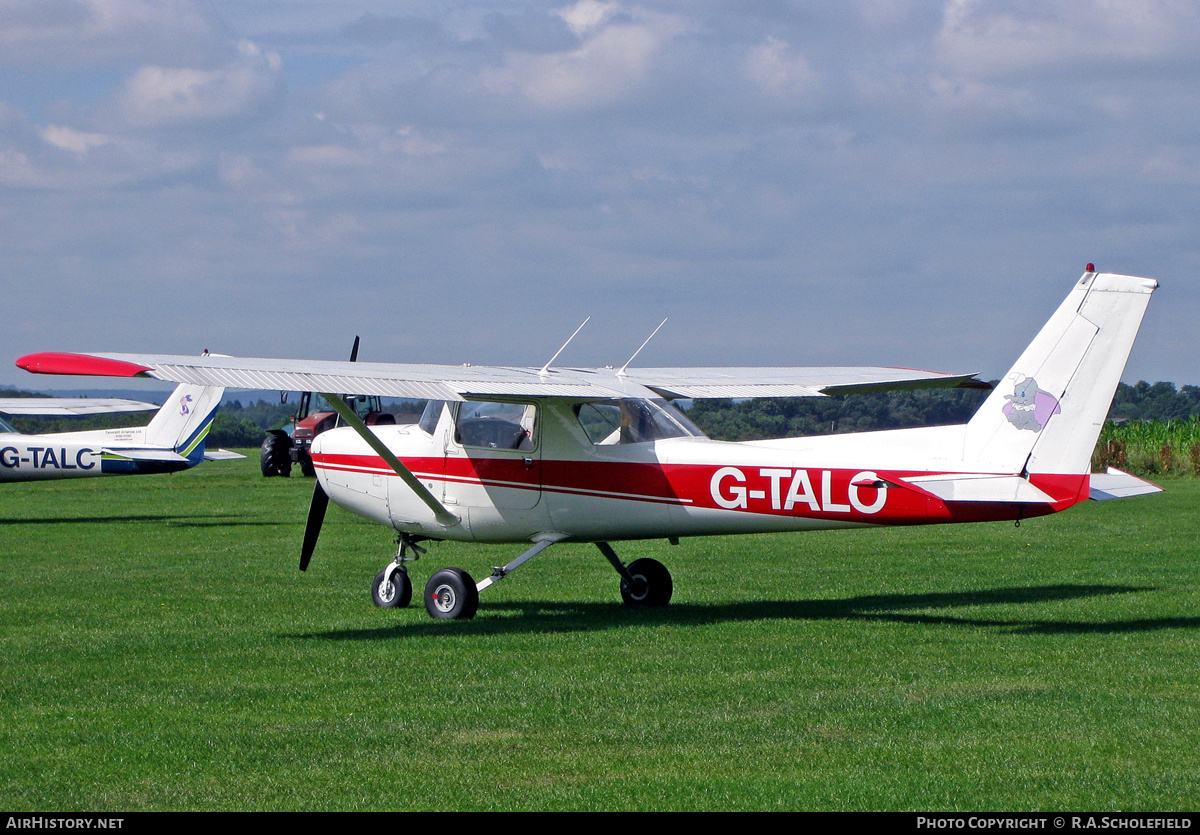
<point x="652" y="586"/>
<point x="274" y="458"/>
<point x="450" y="594"/>
<point x="395" y="593"/>
<point x="306" y="465"/>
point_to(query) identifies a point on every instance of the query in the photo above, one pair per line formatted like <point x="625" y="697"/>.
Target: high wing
<point x="70" y="406"/>
<point x="460" y="382"/>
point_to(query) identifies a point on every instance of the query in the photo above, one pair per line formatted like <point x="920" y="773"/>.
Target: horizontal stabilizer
<point x="221" y="455"/>
<point x="143" y="455"/>
<point x="1115" y="484"/>
<point x="980" y="488"/>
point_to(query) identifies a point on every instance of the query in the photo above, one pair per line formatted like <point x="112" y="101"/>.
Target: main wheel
<point x="274" y="458"/>
<point x="651" y="584"/>
<point x="393" y="592"/>
<point x="451" y="593"/>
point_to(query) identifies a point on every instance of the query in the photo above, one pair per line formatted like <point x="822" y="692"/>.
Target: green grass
<point x="161" y="651"/>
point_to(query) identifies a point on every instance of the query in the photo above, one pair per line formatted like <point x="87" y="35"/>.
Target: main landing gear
<point x="451" y="594"/>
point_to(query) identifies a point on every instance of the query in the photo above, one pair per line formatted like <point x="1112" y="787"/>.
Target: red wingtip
<point x="57" y="362"/>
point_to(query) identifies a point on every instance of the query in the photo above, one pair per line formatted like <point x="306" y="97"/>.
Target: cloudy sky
<point x="907" y="182"/>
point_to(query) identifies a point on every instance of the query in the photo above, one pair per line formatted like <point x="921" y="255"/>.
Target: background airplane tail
<point x="183" y="422"/>
<point x="1046" y="413"/>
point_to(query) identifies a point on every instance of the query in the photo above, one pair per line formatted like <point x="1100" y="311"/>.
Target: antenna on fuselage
<point x="621" y="373"/>
<point x="546" y="367"/>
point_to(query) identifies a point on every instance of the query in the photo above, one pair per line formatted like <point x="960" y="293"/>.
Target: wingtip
<point x="59" y="362"/>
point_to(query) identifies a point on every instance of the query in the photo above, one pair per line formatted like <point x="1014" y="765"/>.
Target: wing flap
<point x="750" y="382"/>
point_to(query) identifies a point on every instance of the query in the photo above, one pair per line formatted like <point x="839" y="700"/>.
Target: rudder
<point x="183" y="422"/>
<point x="1046" y="413"/>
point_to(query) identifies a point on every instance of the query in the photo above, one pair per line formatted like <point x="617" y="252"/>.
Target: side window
<point x="490" y="425"/>
<point x="632" y="421"/>
<point x="429" y="418"/>
<point x="601" y="422"/>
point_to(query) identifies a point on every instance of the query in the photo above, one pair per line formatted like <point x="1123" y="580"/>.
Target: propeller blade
<point x="312" y="529"/>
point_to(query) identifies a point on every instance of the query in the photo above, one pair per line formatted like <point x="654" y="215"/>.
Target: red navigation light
<point x="1091" y="268"/>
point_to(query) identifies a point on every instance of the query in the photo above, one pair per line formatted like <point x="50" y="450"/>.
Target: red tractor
<point x="281" y="449"/>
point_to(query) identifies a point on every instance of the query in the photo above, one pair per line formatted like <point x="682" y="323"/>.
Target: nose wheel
<point x="392" y="588"/>
<point x="392" y="591"/>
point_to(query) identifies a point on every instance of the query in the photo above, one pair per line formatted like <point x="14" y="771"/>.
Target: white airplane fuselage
<point x="687" y="486"/>
<point x="36" y="457"/>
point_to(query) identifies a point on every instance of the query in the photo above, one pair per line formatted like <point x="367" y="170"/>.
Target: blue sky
<point x="792" y="183"/>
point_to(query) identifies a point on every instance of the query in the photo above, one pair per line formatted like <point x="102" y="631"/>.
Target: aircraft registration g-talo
<point x="173" y="440"/>
<point x="551" y="455"/>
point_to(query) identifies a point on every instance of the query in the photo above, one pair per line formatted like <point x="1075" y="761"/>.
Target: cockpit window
<point x="633" y="421"/>
<point x="7" y="428"/>
<point x="429" y="418"/>
<point x="491" y="425"/>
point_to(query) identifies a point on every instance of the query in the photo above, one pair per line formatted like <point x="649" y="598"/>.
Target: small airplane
<point x="173" y="440"/>
<point x="551" y="455"/>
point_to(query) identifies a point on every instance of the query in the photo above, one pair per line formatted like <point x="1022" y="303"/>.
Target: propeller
<point x="312" y="528"/>
<point x="320" y="501"/>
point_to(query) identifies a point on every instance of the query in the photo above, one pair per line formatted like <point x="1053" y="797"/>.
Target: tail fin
<point x="183" y="422"/>
<point x="1046" y="413"/>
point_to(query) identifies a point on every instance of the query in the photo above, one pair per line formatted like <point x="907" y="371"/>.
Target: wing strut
<point x="347" y="414"/>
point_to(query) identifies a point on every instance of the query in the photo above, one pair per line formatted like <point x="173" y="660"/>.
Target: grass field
<point x="161" y="651"/>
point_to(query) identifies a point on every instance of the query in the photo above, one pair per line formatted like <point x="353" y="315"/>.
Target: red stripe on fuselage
<point x="777" y="491"/>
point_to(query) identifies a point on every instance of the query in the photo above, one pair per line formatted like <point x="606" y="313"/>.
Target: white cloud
<point x="73" y="140"/>
<point x="611" y="64"/>
<point x="997" y="38"/>
<point x="779" y="70"/>
<point x="156" y="96"/>
<point x="587" y="15"/>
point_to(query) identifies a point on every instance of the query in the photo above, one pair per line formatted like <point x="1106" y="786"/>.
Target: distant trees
<point x="1160" y="401"/>
<point x="752" y="420"/>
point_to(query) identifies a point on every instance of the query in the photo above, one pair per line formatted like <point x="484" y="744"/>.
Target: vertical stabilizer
<point x="1046" y="413"/>
<point x="184" y="420"/>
